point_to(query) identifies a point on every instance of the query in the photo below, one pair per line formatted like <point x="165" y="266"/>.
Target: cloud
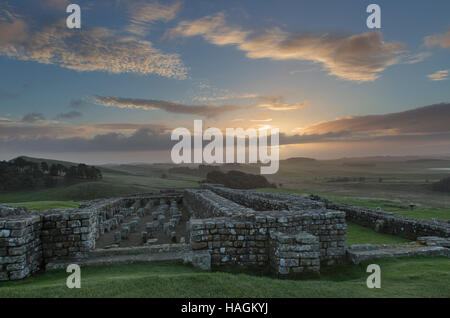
<point x="143" y="14"/>
<point x="144" y="139"/>
<point x="69" y="115"/>
<point x="423" y="120"/>
<point x="77" y="103"/>
<point x="4" y="95"/>
<point x="442" y="40"/>
<point x="278" y="104"/>
<point x="171" y="107"/>
<point x="56" y="4"/>
<point x="439" y="75"/>
<point x="12" y="28"/>
<point x="212" y="28"/>
<point x="425" y="126"/>
<point x="89" y="49"/>
<point x="225" y="97"/>
<point x="359" y="57"/>
<point x="33" y="117"/>
<point x="261" y="120"/>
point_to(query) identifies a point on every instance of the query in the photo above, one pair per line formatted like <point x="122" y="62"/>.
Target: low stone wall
<point x="244" y="240"/>
<point x="20" y="246"/>
<point x="30" y="240"/>
<point x="67" y="233"/>
<point x="388" y="223"/>
<point x="248" y="199"/>
<point x="367" y="252"/>
<point x="291" y="254"/>
<point x="206" y="204"/>
<point x="265" y="201"/>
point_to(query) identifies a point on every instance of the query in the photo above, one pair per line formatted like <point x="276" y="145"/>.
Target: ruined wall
<point x="386" y="222"/>
<point x="20" y="246"/>
<point x="265" y="201"/>
<point x="207" y="204"/>
<point x="235" y="228"/>
<point x="291" y="254"/>
<point x="244" y="239"/>
<point x="67" y="233"/>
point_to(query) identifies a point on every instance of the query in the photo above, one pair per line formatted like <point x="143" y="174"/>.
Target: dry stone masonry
<point x="236" y="235"/>
<point x="212" y="228"/>
<point x="386" y="222"/>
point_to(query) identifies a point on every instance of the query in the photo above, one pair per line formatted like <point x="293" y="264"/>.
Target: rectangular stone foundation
<point x="238" y="236"/>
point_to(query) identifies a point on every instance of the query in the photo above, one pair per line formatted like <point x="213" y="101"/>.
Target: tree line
<point x="19" y="174"/>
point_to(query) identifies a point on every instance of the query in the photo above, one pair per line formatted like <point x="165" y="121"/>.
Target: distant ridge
<point x="299" y="160"/>
<point x="48" y="161"/>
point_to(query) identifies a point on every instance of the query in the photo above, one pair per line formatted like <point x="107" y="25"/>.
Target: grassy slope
<point x="113" y="184"/>
<point x="77" y="192"/>
<point x="46" y="205"/>
<point x="397" y="208"/>
<point x="410" y="277"/>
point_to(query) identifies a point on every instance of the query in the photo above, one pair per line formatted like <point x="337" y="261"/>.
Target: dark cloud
<point x="69" y="115"/>
<point x="33" y="117"/>
<point x="142" y="140"/>
<point x="422" y="127"/>
<point x="77" y="103"/>
<point x="4" y="95"/>
<point x="171" y="107"/>
<point x="428" y="119"/>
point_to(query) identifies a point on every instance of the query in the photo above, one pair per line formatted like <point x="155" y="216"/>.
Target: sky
<point x="112" y="91"/>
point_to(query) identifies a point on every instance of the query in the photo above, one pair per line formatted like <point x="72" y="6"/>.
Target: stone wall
<point x="20" y="246"/>
<point x="67" y="233"/>
<point x="291" y="254"/>
<point x="389" y="223"/>
<point x="207" y="204"/>
<point x="30" y="240"/>
<point x="224" y="223"/>
<point x="244" y="240"/>
<point x="265" y="201"/>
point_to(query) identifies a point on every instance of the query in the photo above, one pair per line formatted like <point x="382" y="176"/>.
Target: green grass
<point x="357" y="234"/>
<point x="76" y="192"/>
<point x="47" y="205"/>
<point x="397" y="208"/>
<point x="408" y="277"/>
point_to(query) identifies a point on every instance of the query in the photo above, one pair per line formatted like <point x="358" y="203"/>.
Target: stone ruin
<point x="211" y="228"/>
<point x="284" y="234"/>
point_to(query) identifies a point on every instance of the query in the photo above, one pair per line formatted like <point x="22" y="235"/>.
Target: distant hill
<point x="48" y="161"/>
<point x="31" y="173"/>
<point x="299" y="160"/>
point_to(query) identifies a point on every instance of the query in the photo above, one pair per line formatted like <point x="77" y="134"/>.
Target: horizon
<point x="442" y="157"/>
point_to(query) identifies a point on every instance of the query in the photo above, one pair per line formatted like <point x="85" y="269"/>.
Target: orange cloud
<point x="359" y="57"/>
